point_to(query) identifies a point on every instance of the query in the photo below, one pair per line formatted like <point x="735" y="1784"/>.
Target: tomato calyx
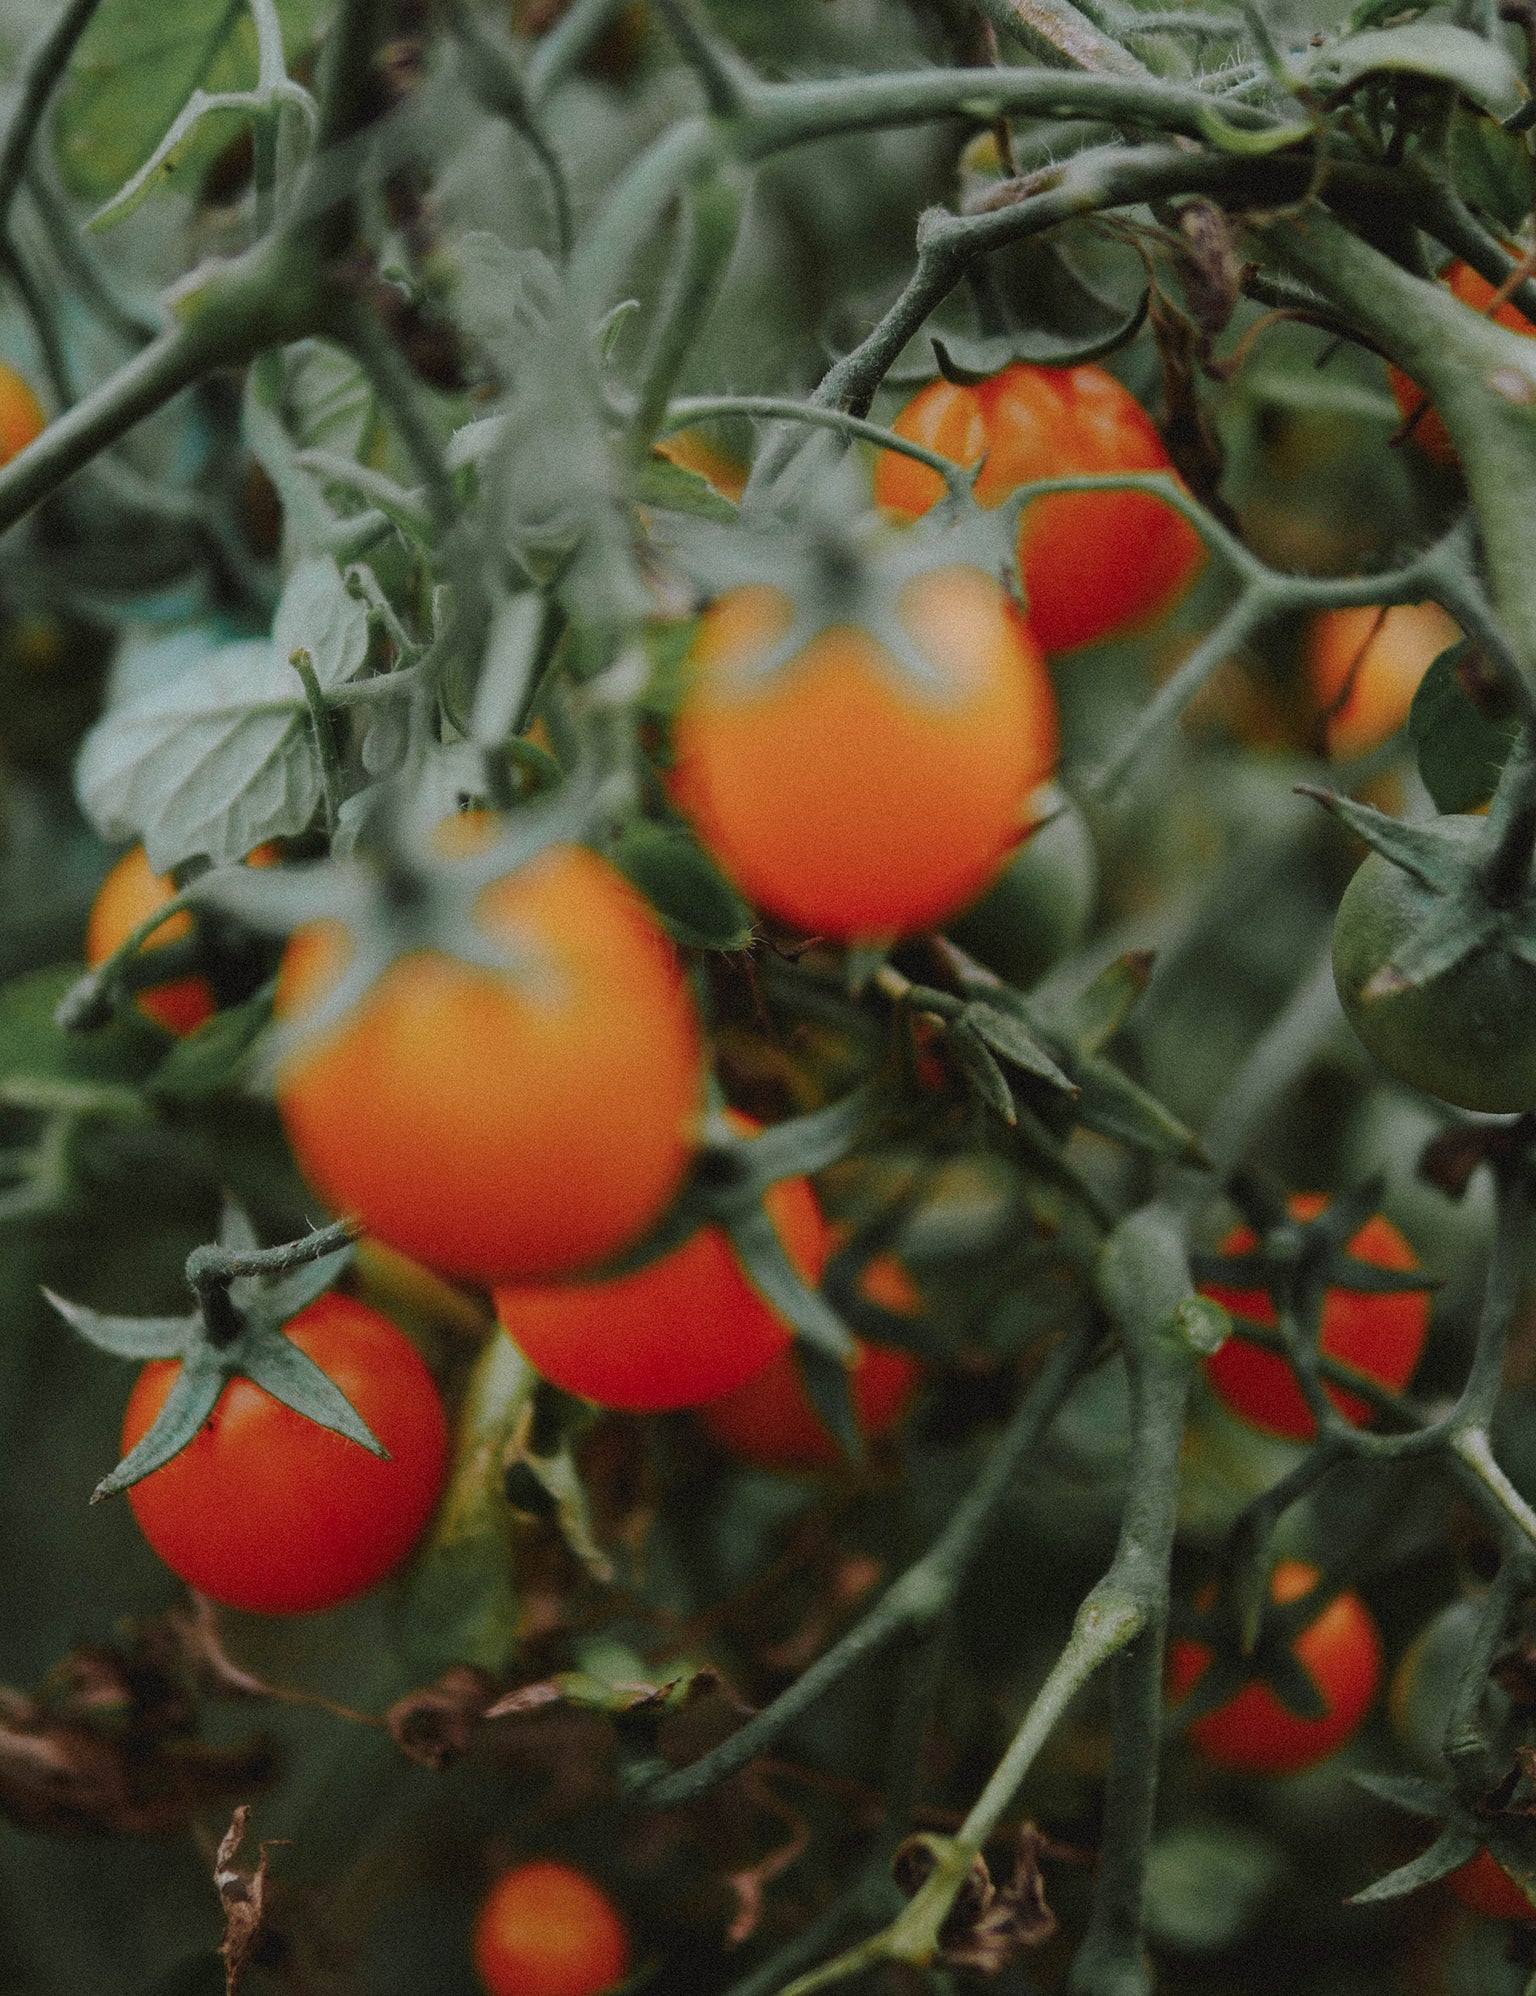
<point x="1467" y="1827"/>
<point x="1253" y="1641"/>
<point x="244" y="1296"/>
<point x="1296" y="1260"/>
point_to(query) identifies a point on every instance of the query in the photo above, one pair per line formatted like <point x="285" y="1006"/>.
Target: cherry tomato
<point x="1253" y="1732"/>
<point x="266" y="1511"/>
<point x="691" y="450"/>
<point x="504" y="1125"/>
<point x="1468" y="1034"/>
<point x="545" y="1929"/>
<point x="1429" y="433"/>
<point x="1095" y="564"/>
<point x="1364" y="666"/>
<point x="1381" y="1336"/>
<point x="1483" y="1885"/>
<point x="837" y="791"/>
<point x="21" y="415"/>
<point x="682" y="1329"/>
<point x="129" y="895"/>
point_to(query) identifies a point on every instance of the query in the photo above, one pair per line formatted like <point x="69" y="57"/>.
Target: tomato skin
<point x="770" y="1422"/>
<point x="266" y="1511"/>
<point x="21" y="414"/>
<point x="1253" y="1732"/>
<point x="129" y="895"/>
<point x="1429" y="432"/>
<point x="1094" y="564"/>
<point x="1381" y="656"/>
<point x="472" y="1119"/>
<point x="1484" y="1886"/>
<point x="835" y="792"/>
<point x="1468" y="1035"/>
<point x="692" y="450"/>
<point x="545" y="1929"/>
<point x="1382" y="1336"/>
<point x="685" y="1328"/>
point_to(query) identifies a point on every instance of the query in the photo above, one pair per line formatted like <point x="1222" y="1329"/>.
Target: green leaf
<point x="209" y="1061"/>
<point x="137" y="66"/>
<point x="1492" y="168"/>
<point x="1004" y="1035"/>
<point x="319" y="614"/>
<point x="672" y="489"/>
<point x="1461" y="742"/>
<point x="42" y="1067"/>
<point x="1451" y="1849"/>
<point x="1205" y="1882"/>
<point x="1480" y="70"/>
<point x="826" y="1381"/>
<point x="674" y="873"/>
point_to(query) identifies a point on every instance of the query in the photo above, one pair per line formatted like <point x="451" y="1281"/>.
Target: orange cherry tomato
<point x="1364" y="666"/>
<point x="1095" y="564"/>
<point x="266" y="1511"/>
<point x="21" y="414"/>
<point x="682" y="1329"/>
<point x="1253" y="1732"/>
<point x="1381" y="1336"/>
<point x="837" y="791"/>
<point x="1429" y="433"/>
<point x="545" y="1929"/>
<point x="691" y="450"/>
<point x="1484" y="1886"/>
<point x="504" y="1125"/>
<point x="129" y="895"/>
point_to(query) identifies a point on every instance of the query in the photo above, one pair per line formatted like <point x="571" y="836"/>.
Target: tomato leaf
<point x="1453" y="1848"/>
<point x="1479" y="69"/>
<point x="1460" y="731"/>
<point x="43" y="1067"/>
<point x="827" y="1383"/>
<point x="698" y="905"/>
<point x="206" y="1062"/>
<point x="1492" y="168"/>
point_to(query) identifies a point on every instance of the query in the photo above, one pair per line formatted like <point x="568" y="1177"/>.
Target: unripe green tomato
<point x="1038" y="909"/>
<point x="1425" y="1681"/>
<point x="1468" y="1035"/>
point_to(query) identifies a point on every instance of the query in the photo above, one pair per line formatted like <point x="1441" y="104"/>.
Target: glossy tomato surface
<point x="545" y="1929"/>
<point x="1094" y="564"/>
<point x="1429" y="432"/>
<point x="1382" y="1336"/>
<point x="838" y="791"/>
<point x="504" y="1125"/>
<point x="682" y="1329"/>
<point x="1364" y="666"/>
<point x="129" y="895"/>
<point x="266" y="1511"/>
<point x="1254" y="1732"/>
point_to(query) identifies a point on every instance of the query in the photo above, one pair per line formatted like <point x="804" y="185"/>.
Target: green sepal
<point x="193" y="1396"/>
<point x="1006" y="1035"/>
<point x="968" y="361"/>
<point x="208" y="1061"/>
<point x="827" y="1382"/>
<point x="672" y="870"/>
<point x="1097" y="1013"/>
<point x="1417" y="849"/>
<point x="809" y="1143"/>
<point x="976" y="1062"/>
<point x="771" y="1272"/>
<point x="291" y="1293"/>
<point x="277" y="1365"/>
<point x="139" y="1338"/>
<point x="1430" y="1799"/>
<point x="1455" y="1846"/>
<point x="1461" y="742"/>
<point x="1113" y="1105"/>
<point x="1261" y="1271"/>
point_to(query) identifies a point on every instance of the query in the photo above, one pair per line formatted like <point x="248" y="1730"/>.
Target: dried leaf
<point x="243" y="1896"/>
<point x="989" y="1925"/>
<point x="436" y="1724"/>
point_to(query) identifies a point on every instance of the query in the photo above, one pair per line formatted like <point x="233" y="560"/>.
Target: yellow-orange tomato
<point x="839" y="792"/>
<point x="1379" y="1335"/>
<point x="1484" y="1886"/>
<point x="1429" y="433"/>
<point x="1254" y="1732"/>
<point x="21" y="416"/>
<point x="502" y="1125"/>
<point x="682" y="1329"/>
<point x="1095" y="564"/>
<point x="691" y="450"/>
<point x="129" y="895"/>
<point x="545" y="1929"/>
<point x="1364" y="666"/>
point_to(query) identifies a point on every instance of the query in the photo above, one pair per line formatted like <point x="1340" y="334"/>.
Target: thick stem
<point x="41" y="69"/>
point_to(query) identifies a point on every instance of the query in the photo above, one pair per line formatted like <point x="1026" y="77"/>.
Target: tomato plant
<point x="545" y="1929"/>
<point x="1364" y="666"/>
<point x="837" y="789"/>
<point x="1381" y="1336"/>
<point x="468" y="1115"/>
<point x="128" y="896"/>
<point x="1094" y="564"/>
<point x="770" y="1421"/>
<point x="1428" y="427"/>
<point x="1254" y="1732"/>
<point x="264" y="1510"/>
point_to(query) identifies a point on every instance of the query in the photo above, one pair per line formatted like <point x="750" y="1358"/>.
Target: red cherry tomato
<point x="129" y="895"/>
<point x="837" y="791"/>
<point x="1253" y="1732"/>
<point x="500" y="1125"/>
<point x="1484" y="1886"/>
<point x="1381" y="1336"/>
<point x="266" y="1511"/>
<point x="544" y="1929"/>
<point x="1094" y="564"/>
<point x="682" y="1329"/>
<point x="21" y="416"/>
<point x="1429" y="433"/>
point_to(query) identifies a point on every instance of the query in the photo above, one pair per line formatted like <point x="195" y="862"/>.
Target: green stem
<point x="558" y="52"/>
<point x="496" y="81"/>
<point x="41" y="69"/>
<point x="634" y="209"/>
<point x="710" y="226"/>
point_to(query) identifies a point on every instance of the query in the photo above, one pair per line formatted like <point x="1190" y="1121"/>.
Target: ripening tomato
<point x="266" y="1511"/>
<point x="1364" y="666"/>
<point x="691" y="450"/>
<point x="1253" y="1732"/>
<point x="545" y="1929"/>
<point x="1484" y="1886"/>
<point x="21" y="416"/>
<point x="682" y="1329"/>
<point x="129" y="895"/>
<point x="1381" y="1336"/>
<point x="839" y="791"/>
<point x="502" y="1125"/>
<point x="1095" y="564"/>
<point x="1429" y="433"/>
